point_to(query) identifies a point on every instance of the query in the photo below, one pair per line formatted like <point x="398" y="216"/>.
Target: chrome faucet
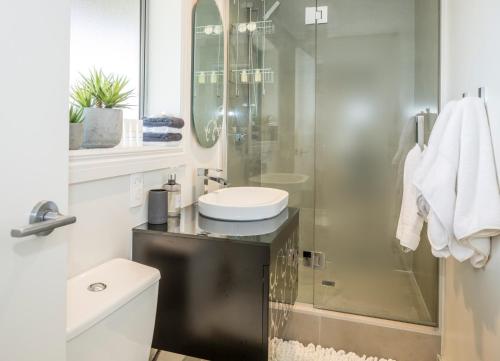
<point x="205" y="174"/>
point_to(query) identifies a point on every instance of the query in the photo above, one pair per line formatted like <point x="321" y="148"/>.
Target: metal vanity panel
<point x="283" y="279"/>
<point x="210" y="296"/>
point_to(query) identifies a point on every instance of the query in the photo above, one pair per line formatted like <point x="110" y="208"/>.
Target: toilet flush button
<point x="97" y="287"/>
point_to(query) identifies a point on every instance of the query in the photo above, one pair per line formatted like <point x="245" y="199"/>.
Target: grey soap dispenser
<point x="174" y="196"/>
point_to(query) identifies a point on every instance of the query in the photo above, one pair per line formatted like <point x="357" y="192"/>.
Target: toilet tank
<point x="111" y="312"/>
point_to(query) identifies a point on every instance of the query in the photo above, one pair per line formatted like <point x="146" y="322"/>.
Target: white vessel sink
<point x="241" y="228"/>
<point x="243" y="203"/>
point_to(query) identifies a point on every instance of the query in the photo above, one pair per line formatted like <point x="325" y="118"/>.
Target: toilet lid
<point x="95" y="294"/>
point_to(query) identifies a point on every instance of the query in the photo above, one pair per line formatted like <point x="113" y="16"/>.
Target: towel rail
<point x="421" y="120"/>
<point x="421" y="131"/>
<point x="481" y="93"/>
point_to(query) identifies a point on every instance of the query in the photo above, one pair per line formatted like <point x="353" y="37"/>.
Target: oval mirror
<point x="207" y="73"/>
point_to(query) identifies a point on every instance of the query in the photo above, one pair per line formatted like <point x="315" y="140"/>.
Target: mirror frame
<point x="192" y="75"/>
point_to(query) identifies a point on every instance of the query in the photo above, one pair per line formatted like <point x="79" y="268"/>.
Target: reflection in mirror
<point x="207" y="73"/>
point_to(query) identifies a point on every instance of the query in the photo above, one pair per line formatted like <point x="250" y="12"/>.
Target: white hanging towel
<point x="410" y="220"/>
<point x="458" y="180"/>
<point x="428" y="185"/>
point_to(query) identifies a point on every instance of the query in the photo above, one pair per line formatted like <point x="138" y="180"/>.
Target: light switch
<point x="136" y="190"/>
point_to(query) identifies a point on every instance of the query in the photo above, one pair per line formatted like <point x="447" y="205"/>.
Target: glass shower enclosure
<point x="322" y="102"/>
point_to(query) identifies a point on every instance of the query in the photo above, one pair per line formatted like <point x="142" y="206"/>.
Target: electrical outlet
<point x="136" y="190"/>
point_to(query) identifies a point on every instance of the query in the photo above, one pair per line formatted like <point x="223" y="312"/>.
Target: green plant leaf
<point x="82" y="95"/>
<point x="75" y="114"/>
<point x="107" y="91"/>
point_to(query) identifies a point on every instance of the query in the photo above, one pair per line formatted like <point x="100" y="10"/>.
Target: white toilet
<point x="111" y="312"/>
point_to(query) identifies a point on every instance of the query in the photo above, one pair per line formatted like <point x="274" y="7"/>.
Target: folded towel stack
<point x="162" y="137"/>
<point x="162" y="130"/>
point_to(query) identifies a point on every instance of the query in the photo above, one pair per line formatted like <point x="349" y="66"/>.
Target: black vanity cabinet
<point x="221" y="297"/>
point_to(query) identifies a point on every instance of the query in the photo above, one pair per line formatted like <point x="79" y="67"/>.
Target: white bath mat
<point x="295" y="351"/>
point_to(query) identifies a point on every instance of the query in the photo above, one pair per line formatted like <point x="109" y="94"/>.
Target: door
<point x="34" y="72"/>
<point x="377" y="68"/>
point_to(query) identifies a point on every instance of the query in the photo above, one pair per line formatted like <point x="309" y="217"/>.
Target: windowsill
<point x="88" y="165"/>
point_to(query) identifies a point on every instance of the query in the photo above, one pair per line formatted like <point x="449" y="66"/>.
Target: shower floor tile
<point x="389" y="294"/>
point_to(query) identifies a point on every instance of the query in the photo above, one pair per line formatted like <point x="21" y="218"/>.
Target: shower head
<point x="271" y="10"/>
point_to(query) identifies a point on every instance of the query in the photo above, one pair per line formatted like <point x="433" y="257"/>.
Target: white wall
<point x="471" y="58"/>
<point x="105" y="219"/>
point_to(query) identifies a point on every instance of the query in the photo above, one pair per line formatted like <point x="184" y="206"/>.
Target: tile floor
<point x="361" y="338"/>
<point x="286" y="350"/>
<point x="167" y="356"/>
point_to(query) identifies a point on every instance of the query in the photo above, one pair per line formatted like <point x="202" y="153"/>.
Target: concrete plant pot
<point x="75" y="136"/>
<point x="103" y="128"/>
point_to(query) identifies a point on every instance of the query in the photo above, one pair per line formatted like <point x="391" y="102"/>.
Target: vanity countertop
<point x="192" y="224"/>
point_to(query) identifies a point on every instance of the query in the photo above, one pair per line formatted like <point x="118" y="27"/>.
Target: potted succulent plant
<point x="75" y="127"/>
<point x="102" y="98"/>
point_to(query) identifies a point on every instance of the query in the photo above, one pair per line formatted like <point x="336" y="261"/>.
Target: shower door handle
<point x="314" y="260"/>
<point x="319" y="260"/>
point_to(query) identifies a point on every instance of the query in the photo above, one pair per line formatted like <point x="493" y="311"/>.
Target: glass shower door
<point x="271" y="107"/>
<point x="376" y="68"/>
<point x="327" y="112"/>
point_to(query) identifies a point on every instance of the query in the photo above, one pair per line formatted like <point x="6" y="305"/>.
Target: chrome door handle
<point x="44" y="218"/>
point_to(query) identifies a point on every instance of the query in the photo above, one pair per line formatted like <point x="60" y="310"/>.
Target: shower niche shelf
<point x="253" y="76"/>
<point x="264" y="27"/>
<point x="209" y="76"/>
<point x="209" y="30"/>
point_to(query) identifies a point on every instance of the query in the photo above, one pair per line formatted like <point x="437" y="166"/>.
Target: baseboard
<point x="363" y="335"/>
<point x="306" y="308"/>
